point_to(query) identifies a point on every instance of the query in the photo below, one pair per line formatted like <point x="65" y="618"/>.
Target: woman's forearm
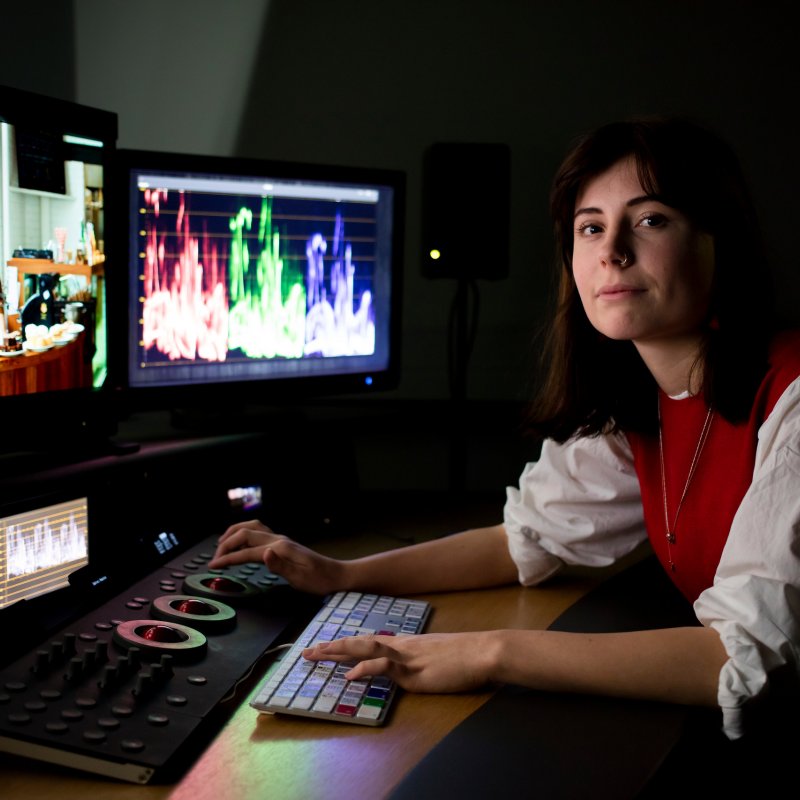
<point x="473" y="559"/>
<point x="674" y="665"/>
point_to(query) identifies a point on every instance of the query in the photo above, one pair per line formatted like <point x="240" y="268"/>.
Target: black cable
<point x="462" y="333"/>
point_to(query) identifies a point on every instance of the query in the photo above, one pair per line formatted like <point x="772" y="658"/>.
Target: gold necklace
<point x="670" y="530"/>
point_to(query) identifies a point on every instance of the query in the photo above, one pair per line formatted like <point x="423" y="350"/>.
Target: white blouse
<point x="580" y="504"/>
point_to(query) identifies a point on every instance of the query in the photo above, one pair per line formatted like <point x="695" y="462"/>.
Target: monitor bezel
<point x="43" y="421"/>
<point x="261" y="391"/>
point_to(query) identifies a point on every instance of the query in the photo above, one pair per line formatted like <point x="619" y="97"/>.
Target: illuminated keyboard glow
<point x="317" y="688"/>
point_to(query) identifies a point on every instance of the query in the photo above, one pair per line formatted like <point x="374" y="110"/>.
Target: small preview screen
<point x="40" y="549"/>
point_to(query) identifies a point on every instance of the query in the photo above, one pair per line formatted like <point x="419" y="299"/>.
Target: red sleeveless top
<point x="724" y="472"/>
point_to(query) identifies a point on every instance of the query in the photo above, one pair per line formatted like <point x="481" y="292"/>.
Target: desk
<point x="258" y="756"/>
<point x="361" y="762"/>
<point x="64" y="367"/>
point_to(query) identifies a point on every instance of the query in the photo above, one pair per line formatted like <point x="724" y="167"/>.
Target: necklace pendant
<point x="670" y="534"/>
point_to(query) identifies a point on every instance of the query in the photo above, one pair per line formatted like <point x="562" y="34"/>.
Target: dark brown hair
<point x="594" y="384"/>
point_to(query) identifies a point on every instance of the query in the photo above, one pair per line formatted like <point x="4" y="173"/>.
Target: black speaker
<point x="465" y="210"/>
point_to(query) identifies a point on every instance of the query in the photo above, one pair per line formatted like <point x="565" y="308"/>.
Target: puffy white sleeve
<point x="754" y="603"/>
<point x="580" y="503"/>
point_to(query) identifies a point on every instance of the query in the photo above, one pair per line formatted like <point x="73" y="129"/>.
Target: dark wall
<point x="368" y="83"/>
<point x="37" y="50"/>
<point x="360" y="82"/>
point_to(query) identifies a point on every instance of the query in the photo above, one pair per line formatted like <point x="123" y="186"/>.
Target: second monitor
<point x="253" y="275"/>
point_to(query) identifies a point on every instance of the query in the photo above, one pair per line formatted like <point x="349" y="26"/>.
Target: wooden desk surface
<point x="258" y="756"/>
<point x="351" y="761"/>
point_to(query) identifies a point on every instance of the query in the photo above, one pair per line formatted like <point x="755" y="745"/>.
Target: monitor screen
<point x="255" y="275"/>
<point x="41" y="548"/>
<point x="54" y="173"/>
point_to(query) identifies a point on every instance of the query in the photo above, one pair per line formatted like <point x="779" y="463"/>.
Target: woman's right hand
<point x="303" y="568"/>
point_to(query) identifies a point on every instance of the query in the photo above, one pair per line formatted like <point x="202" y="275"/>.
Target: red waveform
<point x="185" y="314"/>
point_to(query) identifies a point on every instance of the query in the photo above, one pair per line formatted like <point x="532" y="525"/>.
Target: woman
<point x="669" y="411"/>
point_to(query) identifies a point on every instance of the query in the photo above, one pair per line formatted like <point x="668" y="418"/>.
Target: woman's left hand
<point x="436" y="662"/>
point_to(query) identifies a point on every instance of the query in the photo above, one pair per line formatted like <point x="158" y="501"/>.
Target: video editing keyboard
<point x="318" y="689"/>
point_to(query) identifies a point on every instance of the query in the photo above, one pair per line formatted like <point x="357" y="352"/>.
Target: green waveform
<point x="266" y="318"/>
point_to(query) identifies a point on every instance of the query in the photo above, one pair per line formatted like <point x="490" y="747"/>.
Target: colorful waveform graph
<point x="243" y="278"/>
<point x="345" y="325"/>
<point x="268" y="303"/>
<point x="185" y="299"/>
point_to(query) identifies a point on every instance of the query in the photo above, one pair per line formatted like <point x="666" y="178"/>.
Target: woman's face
<point x="642" y="269"/>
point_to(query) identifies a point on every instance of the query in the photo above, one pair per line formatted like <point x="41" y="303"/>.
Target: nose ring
<point x="624" y="261"/>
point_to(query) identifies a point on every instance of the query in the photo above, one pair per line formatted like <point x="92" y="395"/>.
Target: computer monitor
<point x="41" y="547"/>
<point x="55" y="256"/>
<point x="253" y="281"/>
